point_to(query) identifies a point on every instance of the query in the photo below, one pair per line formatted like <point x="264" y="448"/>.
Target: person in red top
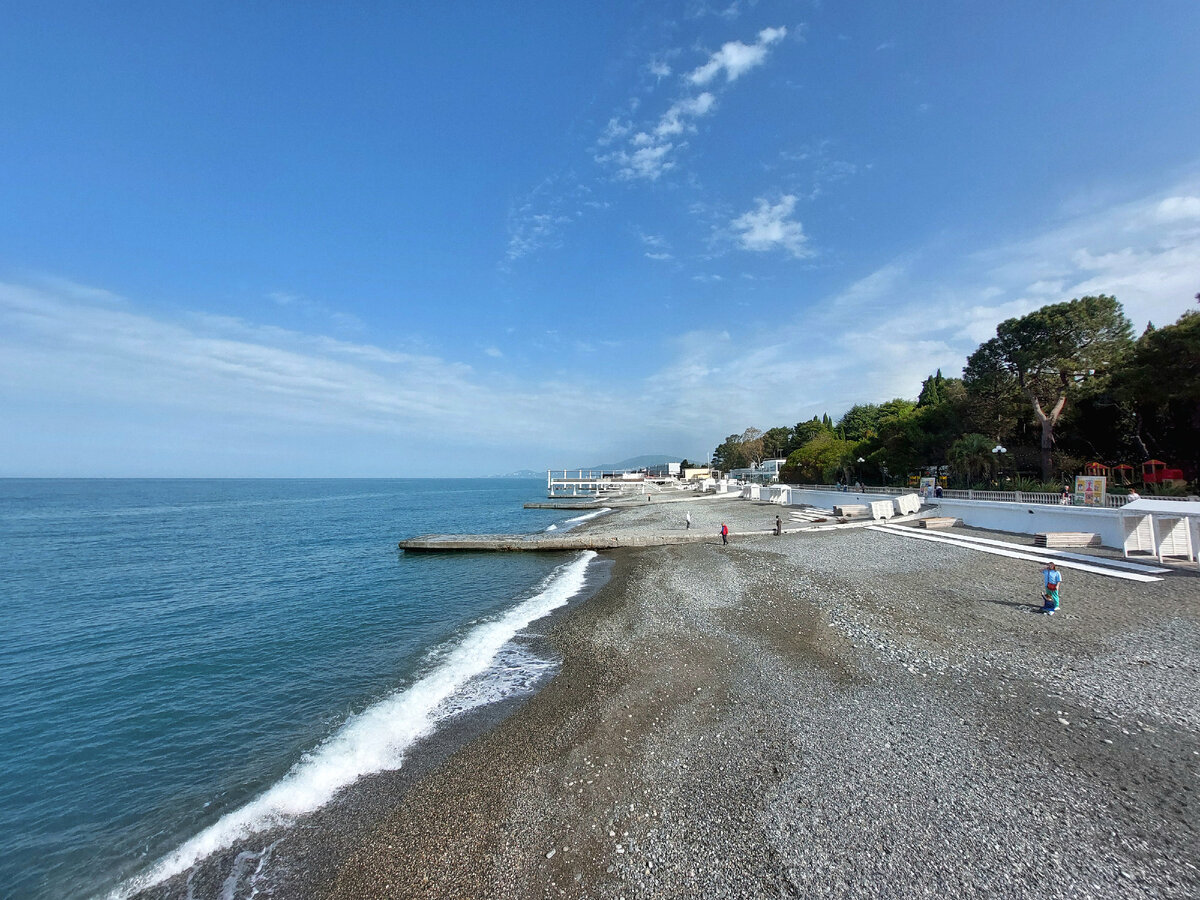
<point x="724" y="534"/>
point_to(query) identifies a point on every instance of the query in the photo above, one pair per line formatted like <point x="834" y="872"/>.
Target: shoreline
<point x="297" y="860"/>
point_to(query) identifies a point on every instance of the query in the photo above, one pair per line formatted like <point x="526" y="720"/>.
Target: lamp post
<point x="998" y="450"/>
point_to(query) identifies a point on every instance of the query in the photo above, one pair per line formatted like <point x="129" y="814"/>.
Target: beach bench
<point x="1059" y="539"/>
<point x="938" y="522"/>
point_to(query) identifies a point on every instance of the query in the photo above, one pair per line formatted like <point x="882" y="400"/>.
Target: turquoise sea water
<point x="182" y="659"/>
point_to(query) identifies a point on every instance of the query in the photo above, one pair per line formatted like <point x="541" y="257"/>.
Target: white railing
<point x="1111" y="501"/>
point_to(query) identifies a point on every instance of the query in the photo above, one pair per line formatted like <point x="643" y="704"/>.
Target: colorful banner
<point x="1090" y="490"/>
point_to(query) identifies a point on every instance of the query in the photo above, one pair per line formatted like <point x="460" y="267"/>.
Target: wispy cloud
<point x="537" y="221"/>
<point x="649" y="151"/>
<point x="735" y="59"/>
<point x="678" y="118"/>
<point x="72" y="347"/>
<point x="883" y="333"/>
<point x="656" y="246"/>
<point x="1175" y="209"/>
<point x="770" y="226"/>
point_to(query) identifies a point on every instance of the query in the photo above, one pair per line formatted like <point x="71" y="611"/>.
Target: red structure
<point x="1122" y="474"/>
<point x="1096" y="470"/>
<point x="1155" y="471"/>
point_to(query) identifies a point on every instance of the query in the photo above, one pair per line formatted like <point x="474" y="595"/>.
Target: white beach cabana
<point x="1162" y="528"/>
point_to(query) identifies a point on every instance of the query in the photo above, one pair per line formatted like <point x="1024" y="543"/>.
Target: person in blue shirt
<point x="1051" y="579"/>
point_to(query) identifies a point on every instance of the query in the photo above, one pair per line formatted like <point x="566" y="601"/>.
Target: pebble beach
<point x="823" y="715"/>
<point x="839" y="713"/>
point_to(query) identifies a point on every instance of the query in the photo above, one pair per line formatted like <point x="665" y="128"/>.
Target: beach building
<point x="766" y="472"/>
<point x="665" y="470"/>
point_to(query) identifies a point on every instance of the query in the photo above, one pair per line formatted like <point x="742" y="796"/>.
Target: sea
<point x="185" y="664"/>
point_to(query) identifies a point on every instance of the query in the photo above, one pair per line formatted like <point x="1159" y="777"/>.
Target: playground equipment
<point x="1155" y="471"/>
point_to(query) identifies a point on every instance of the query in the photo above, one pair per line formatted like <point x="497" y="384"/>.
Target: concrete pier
<point x="564" y="504"/>
<point x="443" y="543"/>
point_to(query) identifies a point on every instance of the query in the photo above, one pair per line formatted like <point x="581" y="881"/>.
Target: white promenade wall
<point x="1021" y="518"/>
<point x="1033" y="518"/>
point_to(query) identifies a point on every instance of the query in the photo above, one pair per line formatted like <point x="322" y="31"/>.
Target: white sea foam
<point x="571" y="523"/>
<point x="376" y="739"/>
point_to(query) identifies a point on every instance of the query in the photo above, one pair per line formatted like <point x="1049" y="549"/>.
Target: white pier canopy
<point x="1161" y="528"/>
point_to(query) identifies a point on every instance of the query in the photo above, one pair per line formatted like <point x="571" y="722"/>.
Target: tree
<point x="752" y="445"/>
<point x="805" y="432"/>
<point x="775" y="442"/>
<point x="1160" y="384"/>
<point x="931" y="390"/>
<point x="860" y="422"/>
<point x="1050" y="351"/>
<point x="971" y="453"/>
<point x="729" y="454"/>
<point x="739" y="451"/>
<point x="819" y="461"/>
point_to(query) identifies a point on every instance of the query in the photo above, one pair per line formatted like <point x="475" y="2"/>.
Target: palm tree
<point x="971" y="453"/>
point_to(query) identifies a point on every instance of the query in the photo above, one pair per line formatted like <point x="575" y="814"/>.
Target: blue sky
<point x="465" y="238"/>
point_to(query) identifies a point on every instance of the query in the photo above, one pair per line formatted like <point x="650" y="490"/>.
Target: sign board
<point x="1090" y="490"/>
<point x="927" y="486"/>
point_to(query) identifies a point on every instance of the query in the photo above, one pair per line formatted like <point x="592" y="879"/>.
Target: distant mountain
<point x="523" y="473"/>
<point x="637" y="462"/>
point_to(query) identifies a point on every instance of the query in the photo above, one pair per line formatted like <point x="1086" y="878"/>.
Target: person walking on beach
<point x="724" y="534"/>
<point x="687" y="521"/>
<point x="778" y="525"/>
<point x="1051" y="579"/>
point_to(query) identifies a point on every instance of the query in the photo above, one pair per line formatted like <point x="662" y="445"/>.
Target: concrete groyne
<point x="489" y="543"/>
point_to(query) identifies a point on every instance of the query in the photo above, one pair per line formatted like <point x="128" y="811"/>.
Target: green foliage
<point x="775" y="442"/>
<point x="819" y="461"/>
<point x="860" y="422"/>
<point x="995" y="403"/>
<point x="931" y="390"/>
<point x="972" y="455"/>
<point x="1049" y="352"/>
<point x="1160" y="386"/>
<point x="805" y="432"/>
<point x="1060" y="386"/>
<point x="730" y="454"/>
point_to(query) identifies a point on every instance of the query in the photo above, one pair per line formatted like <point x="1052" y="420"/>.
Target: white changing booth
<point x="1161" y="528"/>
